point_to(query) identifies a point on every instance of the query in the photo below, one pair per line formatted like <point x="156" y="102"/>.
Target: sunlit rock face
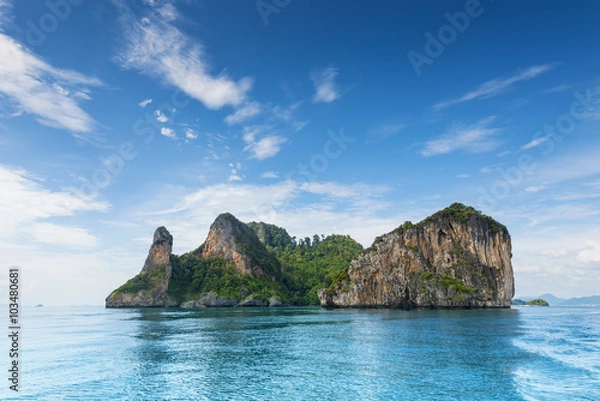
<point x="457" y="258"/>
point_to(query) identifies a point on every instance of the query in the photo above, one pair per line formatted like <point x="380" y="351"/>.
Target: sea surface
<point x="307" y="353"/>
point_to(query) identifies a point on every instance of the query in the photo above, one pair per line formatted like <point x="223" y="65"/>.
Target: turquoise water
<point x="92" y="353"/>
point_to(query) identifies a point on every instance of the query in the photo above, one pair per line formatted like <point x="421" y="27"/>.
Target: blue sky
<point x="319" y="116"/>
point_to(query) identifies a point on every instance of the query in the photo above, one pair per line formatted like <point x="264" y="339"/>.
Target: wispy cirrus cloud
<point x="475" y="138"/>
<point x="31" y="85"/>
<point x="325" y="87"/>
<point x="245" y="112"/>
<point x="269" y="175"/>
<point x="154" y="46"/>
<point x="496" y="86"/>
<point x="535" y="142"/>
<point x="5" y="12"/>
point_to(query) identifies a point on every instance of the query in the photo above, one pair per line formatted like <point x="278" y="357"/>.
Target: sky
<point x="344" y="117"/>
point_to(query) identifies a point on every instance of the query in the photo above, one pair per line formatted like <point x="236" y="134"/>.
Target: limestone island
<point x="457" y="258"/>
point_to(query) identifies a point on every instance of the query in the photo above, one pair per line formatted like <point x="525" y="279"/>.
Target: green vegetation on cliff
<point x="193" y="276"/>
<point x="462" y="213"/>
<point x="273" y="237"/>
<point x="314" y="265"/>
<point x="142" y="282"/>
<point x="302" y="268"/>
<point x="457" y="212"/>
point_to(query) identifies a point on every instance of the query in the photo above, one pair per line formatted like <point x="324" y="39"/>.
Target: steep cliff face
<point x="231" y="239"/>
<point x="149" y="287"/>
<point x="160" y="250"/>
<point x="457" y="258"/>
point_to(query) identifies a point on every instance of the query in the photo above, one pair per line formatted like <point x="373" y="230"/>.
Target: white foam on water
<point x="543" y="385"/>
<point x="571" y="354"/>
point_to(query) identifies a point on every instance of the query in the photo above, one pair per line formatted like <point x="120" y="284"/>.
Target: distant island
<point x="593" y="300"/>
<point x="537" y="302"/>
<point x="456" y="258"/>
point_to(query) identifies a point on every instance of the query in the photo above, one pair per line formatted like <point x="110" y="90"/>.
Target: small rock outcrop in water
<point x="149" y="288"/>
<point x="457" y="258"/>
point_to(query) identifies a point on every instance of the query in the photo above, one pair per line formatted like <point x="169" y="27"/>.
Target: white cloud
<point x="264" y="148"/>
<point x="234" y="174"/>
<point x="82" y="95"/>
<point x="592" y="184"/>
<point x="144" y="103"/>
<point x="555" y="253"/>
<point x="168" y="12"/>
<point x="190" y="134"/>
<point x="591" y="254"/>
<point x="35" y="87"/>
<point x="247" y="111"/>
<point x="558" y="88"/>
<point x="157" y="48"/>
<point x="535" y="188"/>
<point x="160" y="117"/>
<point x="251" y="132"/>
<point x="337" y="190"/>
<point x="334" y="208"/>
<point x="325" y="88"/>
<point x="269" y="174"/>
<point x="24" y="199"/>
<point x="462" y="176"/>
<point x="54" y="234"/>
<point x="477" y="138"/>
<point x="25" y="203"/>
<point x="168" y="132"/>
<point x="535" y="142"/>
<point x="5" y="12"/>
<point x="497" y="86"/>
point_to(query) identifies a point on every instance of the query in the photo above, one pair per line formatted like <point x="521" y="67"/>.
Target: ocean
<point x="307" y="353"/>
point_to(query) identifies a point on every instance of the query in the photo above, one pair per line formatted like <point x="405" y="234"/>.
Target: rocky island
<point x="457" y="258"/>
